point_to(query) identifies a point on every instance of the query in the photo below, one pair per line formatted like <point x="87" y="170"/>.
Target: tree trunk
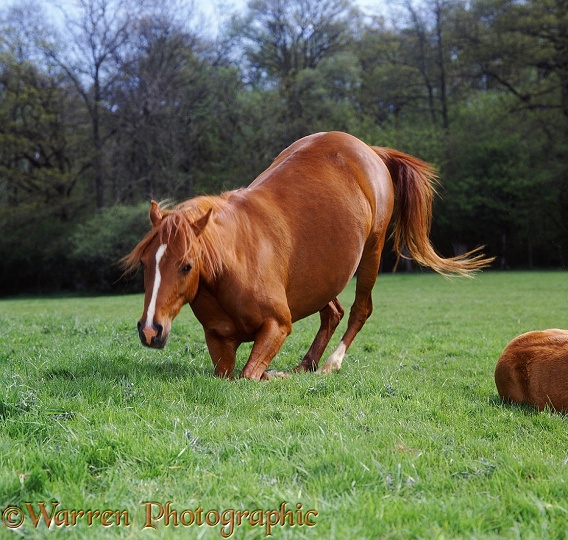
<point x="441" y="65"/>
<point x="98" y="145"/>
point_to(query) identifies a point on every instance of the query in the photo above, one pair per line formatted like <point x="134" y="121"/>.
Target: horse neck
<point x="218" y="240"/>
<point x="226" y="235"/>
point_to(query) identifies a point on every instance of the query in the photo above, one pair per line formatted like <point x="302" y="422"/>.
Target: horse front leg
<point x="223" y="352"/>
<point x="268" y="341"/>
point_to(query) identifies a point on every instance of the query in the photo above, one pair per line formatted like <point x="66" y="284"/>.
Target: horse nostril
<point x="151" y="335"/>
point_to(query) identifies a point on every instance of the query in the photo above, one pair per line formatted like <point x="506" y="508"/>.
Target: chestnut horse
<point x="533" y="369"/>
<point x="251" y="262"/>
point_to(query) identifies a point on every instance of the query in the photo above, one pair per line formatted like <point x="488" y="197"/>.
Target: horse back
<point x="336" y="166"/>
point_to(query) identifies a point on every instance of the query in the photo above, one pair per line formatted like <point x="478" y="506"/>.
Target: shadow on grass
<point x="524" y="408"/>
<point x="121" y="369"/>
<point x="527" y="409"/>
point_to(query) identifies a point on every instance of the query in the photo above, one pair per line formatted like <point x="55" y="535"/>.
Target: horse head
<point x="170" y="257"/>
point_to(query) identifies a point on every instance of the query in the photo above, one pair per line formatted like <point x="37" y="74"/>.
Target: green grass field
<point x="408" y="440"/>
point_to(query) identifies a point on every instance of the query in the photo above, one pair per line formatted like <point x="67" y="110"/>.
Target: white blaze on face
<point x="157" y="281"/>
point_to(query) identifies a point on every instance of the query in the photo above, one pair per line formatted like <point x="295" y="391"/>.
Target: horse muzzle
<point x="152" y="335"/>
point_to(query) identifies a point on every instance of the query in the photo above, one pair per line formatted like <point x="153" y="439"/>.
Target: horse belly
<point x="327" y="250"/>
<point x="318" y="273"/>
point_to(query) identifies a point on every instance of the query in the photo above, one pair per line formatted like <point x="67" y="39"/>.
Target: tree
<point x="521" y="48"/>
<point x="175" y="109"/>
<point x="392" y="85"/>
<point x="39" y="167"/>
<point x="285" y="41"/>
<point x="94" y="49"/>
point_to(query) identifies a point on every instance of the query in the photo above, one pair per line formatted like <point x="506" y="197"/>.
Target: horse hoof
<point x="272" y="374"/>
<point x="302" y="368"/>
<point x="326" y="369"/>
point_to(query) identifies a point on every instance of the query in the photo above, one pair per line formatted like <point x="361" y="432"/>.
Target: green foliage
<point x="35" y="257"/>
<point x="55" y="255"/>
<point x="110" y="234"/>
<point x="493" y="183"/>
<point x="477" y="88"/>
<point x="37" y="172"/>
<point x="408" y="440"/>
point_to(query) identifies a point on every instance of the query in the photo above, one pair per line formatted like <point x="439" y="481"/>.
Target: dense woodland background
<point x="127" y="100"/>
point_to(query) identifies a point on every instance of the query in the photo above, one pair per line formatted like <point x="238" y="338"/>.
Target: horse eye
<point x="186" y="269"/>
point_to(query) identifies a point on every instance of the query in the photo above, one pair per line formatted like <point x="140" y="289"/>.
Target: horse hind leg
<point x="362" y="308"/>
<point x="330" y="316"/>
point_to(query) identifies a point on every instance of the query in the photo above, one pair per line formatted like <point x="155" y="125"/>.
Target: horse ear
<point x="155" y="214"/>
<point x="200" y="224"/>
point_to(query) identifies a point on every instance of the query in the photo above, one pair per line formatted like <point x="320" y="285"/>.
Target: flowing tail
<point x="413" y="181"/>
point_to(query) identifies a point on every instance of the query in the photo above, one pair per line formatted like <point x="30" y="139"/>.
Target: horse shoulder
<point x="212" y="316"/>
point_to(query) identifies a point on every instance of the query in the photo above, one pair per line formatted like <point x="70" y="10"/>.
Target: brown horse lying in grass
<point x="251" y="262"/>
<point x="533" y="369"/>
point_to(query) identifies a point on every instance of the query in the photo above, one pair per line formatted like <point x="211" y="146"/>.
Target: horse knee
<point x="357" y="318"/>
<point x="369" y="308"/>
<point x="365" y="310"/>
<point x="337" y="316"/>
<point x="335" y="312"/>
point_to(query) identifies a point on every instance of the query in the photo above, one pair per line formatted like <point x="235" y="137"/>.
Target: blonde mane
<point x="177" y="222"/>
